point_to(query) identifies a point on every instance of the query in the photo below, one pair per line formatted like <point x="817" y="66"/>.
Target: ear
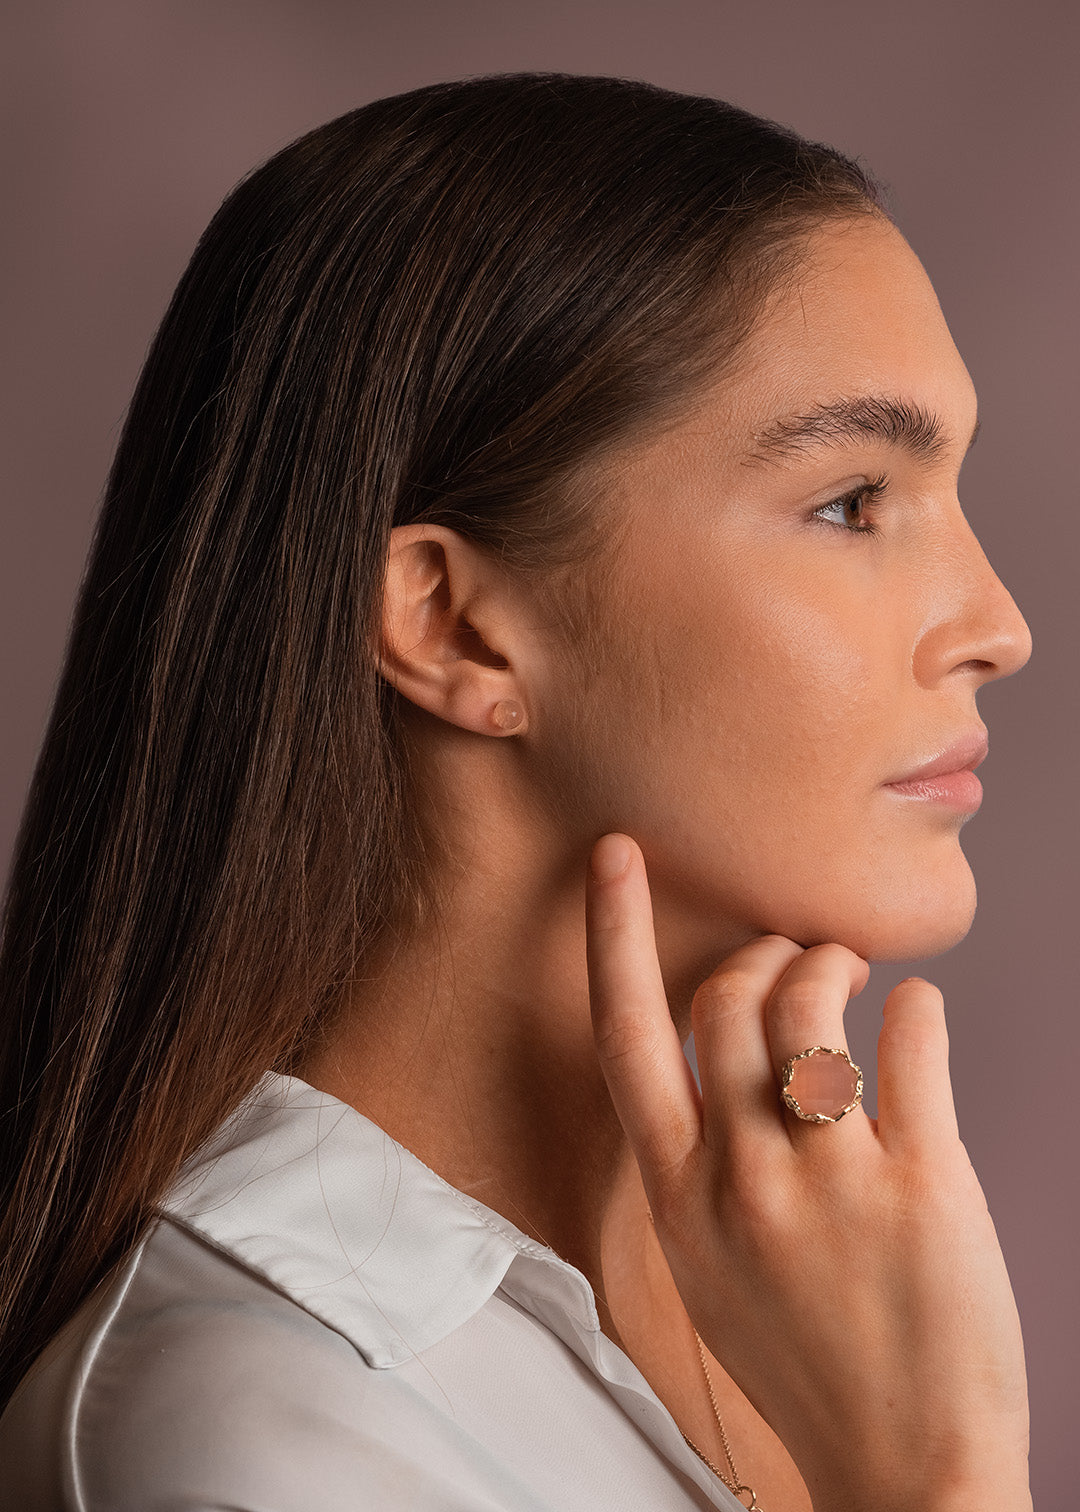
<point x="446" y="631"/>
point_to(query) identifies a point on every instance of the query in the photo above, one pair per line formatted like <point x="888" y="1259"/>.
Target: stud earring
<point x="507" y="715"/>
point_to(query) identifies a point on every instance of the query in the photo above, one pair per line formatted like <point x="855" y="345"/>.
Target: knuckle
<point x="923" y="1043"/>
<point x="606" y="924"/>
<point x="724" y="992"/>
<point x="800" y="999"/>
<point x="757" y="1206"/>
<point x="625" y="1037"/>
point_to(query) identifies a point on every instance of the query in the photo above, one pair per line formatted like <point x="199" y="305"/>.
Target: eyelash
<point x="867" y="494"/>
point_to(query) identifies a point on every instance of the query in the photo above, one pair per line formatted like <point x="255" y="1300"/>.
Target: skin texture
<point x="760" y="672"/>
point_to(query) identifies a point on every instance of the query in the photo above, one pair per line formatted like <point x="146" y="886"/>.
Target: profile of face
<point x="797" y="616"/>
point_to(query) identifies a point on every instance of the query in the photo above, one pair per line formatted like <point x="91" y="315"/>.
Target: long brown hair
<point x="434" y="307"/>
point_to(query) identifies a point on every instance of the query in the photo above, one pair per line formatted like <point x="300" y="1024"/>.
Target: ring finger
<point x="805" y="1009"/>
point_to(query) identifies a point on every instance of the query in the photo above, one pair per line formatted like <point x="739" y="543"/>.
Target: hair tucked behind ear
<point x="435" y="307"/>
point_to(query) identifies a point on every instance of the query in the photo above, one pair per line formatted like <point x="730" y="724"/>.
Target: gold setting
<point x="792" y="1103"/>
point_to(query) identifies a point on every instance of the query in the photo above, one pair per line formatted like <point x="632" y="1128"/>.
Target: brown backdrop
<point x="127" y="122"/>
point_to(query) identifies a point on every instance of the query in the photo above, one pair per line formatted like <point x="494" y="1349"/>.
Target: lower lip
<point x="960" y="790"/>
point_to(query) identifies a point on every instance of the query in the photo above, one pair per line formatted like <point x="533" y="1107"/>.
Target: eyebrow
<point x="866" y="417"/>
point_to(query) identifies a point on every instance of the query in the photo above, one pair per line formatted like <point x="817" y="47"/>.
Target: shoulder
<point x="193" y="1382"/>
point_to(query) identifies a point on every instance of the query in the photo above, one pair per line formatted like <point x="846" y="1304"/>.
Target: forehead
<point x="850" y="350"/>
<point x="858" y="321"/>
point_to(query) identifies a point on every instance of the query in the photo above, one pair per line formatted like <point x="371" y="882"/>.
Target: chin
<point x="901" y="919"/>
<point x="901" y="939"/>
<point x="899" y="935"/>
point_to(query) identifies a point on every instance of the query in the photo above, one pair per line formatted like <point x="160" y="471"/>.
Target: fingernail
<point x="610" y="857"/>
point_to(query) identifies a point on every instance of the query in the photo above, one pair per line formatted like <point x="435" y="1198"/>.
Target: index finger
<point x="648" y="1076"/>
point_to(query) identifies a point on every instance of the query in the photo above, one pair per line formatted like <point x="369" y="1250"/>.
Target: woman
<point x="531" y="580"/>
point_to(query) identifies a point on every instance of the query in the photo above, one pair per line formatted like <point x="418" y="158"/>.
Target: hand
<point x="847" y="1276"/>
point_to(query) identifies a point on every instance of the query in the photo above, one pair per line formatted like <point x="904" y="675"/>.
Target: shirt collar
<point x="320" y="1201"/>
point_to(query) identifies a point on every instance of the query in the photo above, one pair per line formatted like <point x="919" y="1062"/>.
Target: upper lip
<point x="964" y="755"/>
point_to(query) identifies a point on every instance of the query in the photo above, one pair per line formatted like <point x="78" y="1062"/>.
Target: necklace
<point x="734" y="1484"/>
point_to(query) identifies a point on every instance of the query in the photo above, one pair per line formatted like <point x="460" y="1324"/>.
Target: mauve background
<point x="127" y="121"/>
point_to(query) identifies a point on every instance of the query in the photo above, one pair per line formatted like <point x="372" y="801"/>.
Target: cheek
<point x="785" y="711"/>
<point x="773" y="708"/>
<point x="739" y="727"/>
<point x="790" y="684"/>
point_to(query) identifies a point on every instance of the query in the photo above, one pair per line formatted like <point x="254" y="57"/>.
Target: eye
<point x="848" y="512"/>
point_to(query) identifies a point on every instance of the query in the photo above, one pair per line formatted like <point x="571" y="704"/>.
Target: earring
<point x="507" y="715"/>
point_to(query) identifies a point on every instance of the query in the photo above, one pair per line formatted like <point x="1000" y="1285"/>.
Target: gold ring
<point x="819" y="1090"/>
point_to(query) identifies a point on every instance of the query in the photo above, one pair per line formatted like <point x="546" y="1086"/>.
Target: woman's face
<point x="799" y="615"/>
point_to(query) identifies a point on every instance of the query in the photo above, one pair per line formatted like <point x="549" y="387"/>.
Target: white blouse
<point x="316" y="1322"/>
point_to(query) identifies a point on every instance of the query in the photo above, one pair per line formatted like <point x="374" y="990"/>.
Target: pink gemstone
<point x="823" y="1083"/>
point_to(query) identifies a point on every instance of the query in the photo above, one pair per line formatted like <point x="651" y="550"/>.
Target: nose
<point x="974" y="626"/>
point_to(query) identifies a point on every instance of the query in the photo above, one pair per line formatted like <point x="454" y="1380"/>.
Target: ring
<point x="821" y="1085"/>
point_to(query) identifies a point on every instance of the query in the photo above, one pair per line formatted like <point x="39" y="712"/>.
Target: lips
<point x="949" y="777"/>
<point x="964" y="755"/>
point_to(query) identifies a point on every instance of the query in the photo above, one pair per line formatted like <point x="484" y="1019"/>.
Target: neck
<point x="471" y="1042"/>
<point x="473" y="1048"/>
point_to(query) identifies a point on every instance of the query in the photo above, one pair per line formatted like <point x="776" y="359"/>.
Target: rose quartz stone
<point x="822" y="1084"/>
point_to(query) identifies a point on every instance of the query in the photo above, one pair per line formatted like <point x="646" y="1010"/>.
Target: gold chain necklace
<point x="734" y="1485"/>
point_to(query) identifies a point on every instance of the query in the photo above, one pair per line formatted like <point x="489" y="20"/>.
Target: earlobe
<point x="444" y="631"/>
